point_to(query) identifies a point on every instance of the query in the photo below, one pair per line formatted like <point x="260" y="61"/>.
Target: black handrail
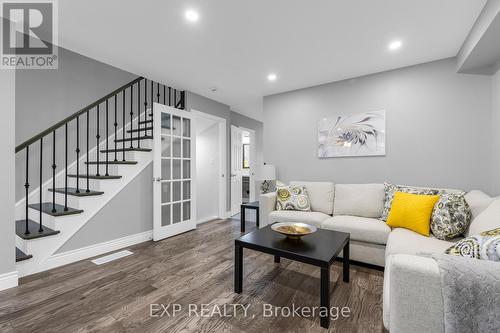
<point x="73" y="116"/>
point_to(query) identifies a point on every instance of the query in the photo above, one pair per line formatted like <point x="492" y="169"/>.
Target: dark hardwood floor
<point x="195" y="267"/>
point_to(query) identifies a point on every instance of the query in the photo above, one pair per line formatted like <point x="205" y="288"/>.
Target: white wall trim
<point x="8" y="280"/>
<point x="68" y="257"/>
<point x="207" y="219"/>
<point x="228" y="214"/>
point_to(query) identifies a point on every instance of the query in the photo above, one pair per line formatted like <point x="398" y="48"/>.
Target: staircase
<point x="60" y="205"/>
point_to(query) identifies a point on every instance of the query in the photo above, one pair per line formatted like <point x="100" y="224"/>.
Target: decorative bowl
<point x="293" y="230"/>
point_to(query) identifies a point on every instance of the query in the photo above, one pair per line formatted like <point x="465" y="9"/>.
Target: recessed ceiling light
<point x="192" y="15"/>
<point x="272" y="77"/>
<point x="395" y="45"/>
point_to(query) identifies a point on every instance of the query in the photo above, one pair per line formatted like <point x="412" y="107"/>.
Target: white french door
<point x="236" y="169"/>
<point x="174" y="168"/>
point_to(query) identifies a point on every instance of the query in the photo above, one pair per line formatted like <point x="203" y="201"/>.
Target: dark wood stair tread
<point x="118" y="150"/>
<point x="95" y="176"/>
<point x="47" y="209"/>
<point x="111" y="162"/>
<point x="72" y="191"/>
<point x="146" y="121"/>
<point x="143" y="129"/>
<point x="135" y="138"/>
<point x="33" y="228"/>
<point x="20" y="255"/>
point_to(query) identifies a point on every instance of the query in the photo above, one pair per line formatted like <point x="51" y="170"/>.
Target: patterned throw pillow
<point x="390" y="189"/>
<point x="484" y="246"/>
<point x="293" y="197"/>
<point x="451" y="216"/>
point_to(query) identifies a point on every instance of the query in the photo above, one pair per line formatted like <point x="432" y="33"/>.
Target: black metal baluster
<point x="169" y="96"/>
<point x="40" y="228"/>
<point x="26" y="187"/>
<point x="139" y="114"/>
<point x="107" y="139"/>
<point x="77" y="154"/>
<point x="152" y="101"/>
<point x="175" y="98"/>
<point x="97" y="137"/>
<point x="115" y="124"/>
<point x="54" y="172"/>
<point x="123" y="126"/>
<point x="158" y="101"/>
<point x="145" y="102"/>
<point x="164" y="95"/>
<point x="183" y="100"/>
<point x="88" y="171"/>
<point x="131" y="115"/>
<point x="66" y="167"/>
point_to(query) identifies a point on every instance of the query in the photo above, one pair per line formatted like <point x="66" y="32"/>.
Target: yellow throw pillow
<point x="412" y="211"/>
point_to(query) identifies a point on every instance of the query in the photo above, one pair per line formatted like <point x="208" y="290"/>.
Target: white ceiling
<point x="236" y="43"/>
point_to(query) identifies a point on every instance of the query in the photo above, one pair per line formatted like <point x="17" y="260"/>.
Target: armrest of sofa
<point x="267" y="204"/>
<point x="413" y="300"/>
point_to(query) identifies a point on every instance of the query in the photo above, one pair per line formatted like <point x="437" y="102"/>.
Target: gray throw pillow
<point x="451" y="216"/>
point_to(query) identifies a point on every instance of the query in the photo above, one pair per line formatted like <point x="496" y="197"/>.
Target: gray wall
<point x="203" y="104"/>
<point x="7" y="198"/>
<point x="496" y="133"/>
<point x="45" y="97"/>
<point x="128" y="213"/>
<point x="437" y="124"/>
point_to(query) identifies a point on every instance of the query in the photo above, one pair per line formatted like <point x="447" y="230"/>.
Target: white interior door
<point x="174" y="171"/>
<point x="236" y="169"/>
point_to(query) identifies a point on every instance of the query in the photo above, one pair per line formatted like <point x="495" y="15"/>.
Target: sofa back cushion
<point x="478" y="201"/>
<point x="364" y="200"/>
<point x="320" y="195"/>
<point x="489" y="219"/>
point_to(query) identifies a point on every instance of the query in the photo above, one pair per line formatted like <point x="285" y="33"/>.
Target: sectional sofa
<point x="412" y="290"/>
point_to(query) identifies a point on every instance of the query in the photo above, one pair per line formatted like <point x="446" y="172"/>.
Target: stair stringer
<point x="45" y="248"/>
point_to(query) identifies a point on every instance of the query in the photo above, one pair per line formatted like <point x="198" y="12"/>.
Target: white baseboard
<point x="229" y="214"/>
<point x="68" y="257"/>
<point x="207" y="219"/>
<point x="8" y="280"/>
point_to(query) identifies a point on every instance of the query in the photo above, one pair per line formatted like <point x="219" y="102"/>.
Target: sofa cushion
<point x="313" y="218"/>
<point x="404" y="241"/>
<point x="362" y="229"/>
<point x="320" y="195"/>
<point x="478" y="201"/>
<point x="489" y="219"/>
<point x="365" y="200"/>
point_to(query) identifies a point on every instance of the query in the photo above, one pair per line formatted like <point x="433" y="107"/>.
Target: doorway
<point x="242" y="167"/>
<point x="210" y="167"/>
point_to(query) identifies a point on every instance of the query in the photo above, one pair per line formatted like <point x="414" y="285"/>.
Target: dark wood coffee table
<point x="319" y="249"/>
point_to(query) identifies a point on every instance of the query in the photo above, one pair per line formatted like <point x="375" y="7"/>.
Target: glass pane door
<point x="173" y="172"/>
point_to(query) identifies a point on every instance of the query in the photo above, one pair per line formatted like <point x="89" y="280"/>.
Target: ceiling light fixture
<point x="395" y="45"/>
<point x="191" y="15"/>
<point x="272" y="77"/>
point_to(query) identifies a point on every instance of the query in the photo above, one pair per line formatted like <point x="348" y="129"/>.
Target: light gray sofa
<point x="412" y="289"/>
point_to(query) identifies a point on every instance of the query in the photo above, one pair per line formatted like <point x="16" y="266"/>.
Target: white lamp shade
<point x="267" y="172"/>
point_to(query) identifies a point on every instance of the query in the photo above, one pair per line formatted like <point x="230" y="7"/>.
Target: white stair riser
<point x="94" y="184"/>
<point x="47" y="220"/>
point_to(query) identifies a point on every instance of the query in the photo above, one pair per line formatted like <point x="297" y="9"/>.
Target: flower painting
<point x="361" y="134"/>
